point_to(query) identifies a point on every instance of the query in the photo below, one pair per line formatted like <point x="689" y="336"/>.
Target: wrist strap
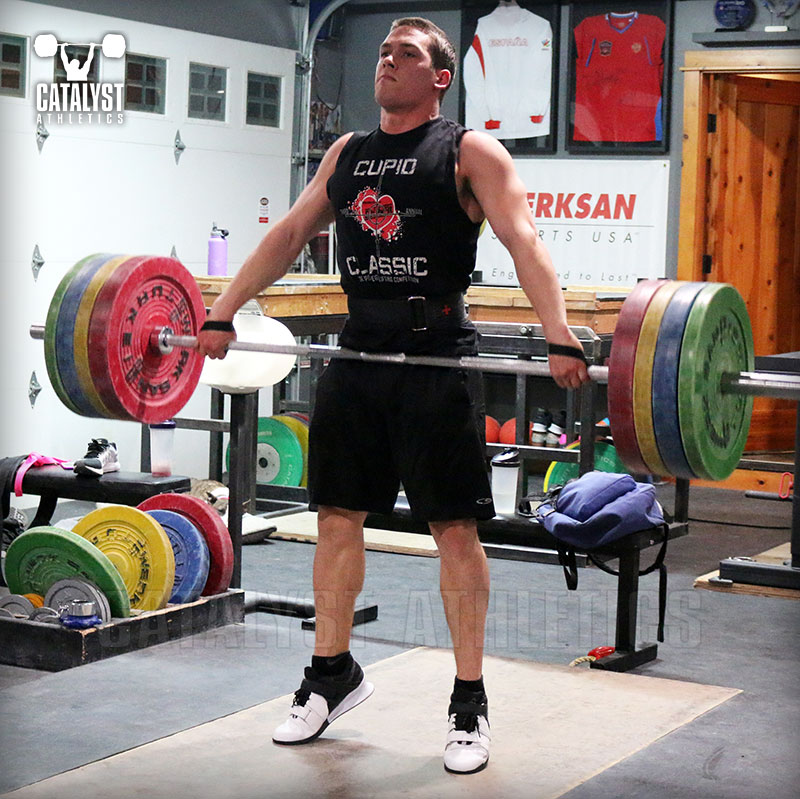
<point x="225" y="327"/>
<point x="565" y="349"/>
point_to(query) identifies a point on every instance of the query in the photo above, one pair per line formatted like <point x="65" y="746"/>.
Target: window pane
<point x="13" y="65"/>
<point x="207" y="92"/>
<point x="145" y="83"/>
<point x="263" y="100"/>
<point x="12" y="53"/>
<point x="9" y="79"/>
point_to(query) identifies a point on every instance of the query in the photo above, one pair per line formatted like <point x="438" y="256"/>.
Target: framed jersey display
<point x="509" y="72"/>
<point x="619" y="64"/>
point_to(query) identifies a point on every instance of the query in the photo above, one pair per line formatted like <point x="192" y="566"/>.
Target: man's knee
<point x="332" y="521"/>
<point x="457" y="538"/>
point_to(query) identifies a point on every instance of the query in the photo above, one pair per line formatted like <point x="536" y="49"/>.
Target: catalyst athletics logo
<point x="77" y="99"/>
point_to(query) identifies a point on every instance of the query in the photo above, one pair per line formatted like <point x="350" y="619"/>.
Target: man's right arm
<point x="275" y="253"/>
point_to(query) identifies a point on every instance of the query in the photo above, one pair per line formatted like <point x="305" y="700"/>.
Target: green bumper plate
<point x="279" y="454"/>
<point x="42" y="556"/>
<point x="50" y="333"/>
<point x="717" y="340"/>
<point x="606" y="459"/>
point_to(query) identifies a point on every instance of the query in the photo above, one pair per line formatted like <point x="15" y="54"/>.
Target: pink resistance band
<point x="35" y="459"/>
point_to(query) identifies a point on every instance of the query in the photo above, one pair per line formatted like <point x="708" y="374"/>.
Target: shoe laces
<point x="468" y="722"/>
<point x="301" y="696"/>
<point x="96" y="446"/>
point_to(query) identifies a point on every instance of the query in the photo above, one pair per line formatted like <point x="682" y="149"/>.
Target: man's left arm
<point x="492" y="179"/>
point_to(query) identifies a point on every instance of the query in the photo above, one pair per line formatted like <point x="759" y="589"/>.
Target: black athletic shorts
<point x="376" y="426"/>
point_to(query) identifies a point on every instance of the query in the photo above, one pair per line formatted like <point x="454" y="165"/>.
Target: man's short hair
<point x="442" y="52"/>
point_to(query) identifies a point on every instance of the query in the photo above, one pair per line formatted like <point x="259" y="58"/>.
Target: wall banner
<point x="604" y="222"/>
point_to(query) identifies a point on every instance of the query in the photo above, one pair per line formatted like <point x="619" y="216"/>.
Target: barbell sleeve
<point x="763" y="384"/>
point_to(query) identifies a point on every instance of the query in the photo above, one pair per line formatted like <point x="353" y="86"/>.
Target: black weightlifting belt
<point x="409" y="313"/>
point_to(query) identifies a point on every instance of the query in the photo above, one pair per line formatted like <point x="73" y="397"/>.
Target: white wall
<point x="117" y="188"/>
<point x="275" y="22"/>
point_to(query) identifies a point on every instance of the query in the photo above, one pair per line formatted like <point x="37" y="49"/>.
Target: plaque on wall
<point x="734" y="15"/>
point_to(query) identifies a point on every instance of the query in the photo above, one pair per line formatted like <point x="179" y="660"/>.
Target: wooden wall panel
<point x="740" y="199"/>
<point x="693" y="178"/>
<point x="778" y="233"/>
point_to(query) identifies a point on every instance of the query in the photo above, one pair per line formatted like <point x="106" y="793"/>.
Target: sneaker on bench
<point x="101" y="457"/>
<point x="319" y="701"/>
<point x="468" y="739"/>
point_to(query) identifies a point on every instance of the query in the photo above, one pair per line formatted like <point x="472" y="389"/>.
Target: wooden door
<point x="748" y="230"/>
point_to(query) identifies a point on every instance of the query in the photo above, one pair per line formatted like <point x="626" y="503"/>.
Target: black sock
<point x="331" y="666"/>
<point x="469" y="686"/>
<point x="469" y="694"/>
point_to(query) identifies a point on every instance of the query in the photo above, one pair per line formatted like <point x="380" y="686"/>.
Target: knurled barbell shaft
<point x="762" y="384"/>
<point x="479" y="363"/>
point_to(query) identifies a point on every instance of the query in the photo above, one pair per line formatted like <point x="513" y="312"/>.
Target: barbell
<point x="120" y="342"/>
<point x="45" y="45"/>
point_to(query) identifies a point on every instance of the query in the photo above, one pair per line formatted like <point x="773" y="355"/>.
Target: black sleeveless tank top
<point x="400" y="228"/>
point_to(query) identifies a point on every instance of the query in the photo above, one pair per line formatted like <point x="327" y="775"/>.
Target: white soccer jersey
<point x="507" y="74"/>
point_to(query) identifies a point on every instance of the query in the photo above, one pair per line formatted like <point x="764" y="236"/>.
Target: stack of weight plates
<point x="281" y="450"/>
<point x="208" y="522"/>
<point x="669" y="412"/>
<point x="31" y="607"/>
<point x="97" y="337"/>
<point x="42" y="557"/>
<point x="173" y="549"/>
<point x="62" y="593"/>
<point x="139" y="548"/>
<point x="606" y="459"/>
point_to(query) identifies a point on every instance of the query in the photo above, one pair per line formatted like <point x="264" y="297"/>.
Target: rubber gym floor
<point x="746" y="746"/>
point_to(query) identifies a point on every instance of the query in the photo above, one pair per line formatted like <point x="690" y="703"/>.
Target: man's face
<point x="405" y="75"/>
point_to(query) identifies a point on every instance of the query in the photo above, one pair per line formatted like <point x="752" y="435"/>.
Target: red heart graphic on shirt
<point x="376" y="215"/>
<point x="375" y="212"/>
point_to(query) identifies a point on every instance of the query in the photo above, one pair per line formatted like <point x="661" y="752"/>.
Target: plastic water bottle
<point x="218" y="251"/>
<point x="505" y="479"/>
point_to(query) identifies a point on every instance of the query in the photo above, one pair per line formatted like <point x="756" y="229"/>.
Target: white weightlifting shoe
<point x="321" y="700"/>
<point x="468" y="739"/>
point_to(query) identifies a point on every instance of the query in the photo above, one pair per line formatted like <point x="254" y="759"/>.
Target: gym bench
<point x="52" y="483"/>
<point x="518" y="539"/>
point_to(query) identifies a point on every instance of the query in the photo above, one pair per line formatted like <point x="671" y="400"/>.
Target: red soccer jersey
<point x="619" y="69"/>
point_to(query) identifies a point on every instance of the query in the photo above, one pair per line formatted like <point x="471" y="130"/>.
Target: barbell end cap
<point x="159" y="341"/>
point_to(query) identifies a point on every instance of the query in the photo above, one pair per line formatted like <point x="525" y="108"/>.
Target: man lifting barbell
<point x="73" y="68"/>
<point x="408" y="200"/>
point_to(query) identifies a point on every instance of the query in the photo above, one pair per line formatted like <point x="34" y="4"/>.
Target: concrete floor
<point x="745" y="747"/>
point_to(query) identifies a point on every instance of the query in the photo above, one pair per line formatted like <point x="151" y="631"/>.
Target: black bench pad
<point x="124" y="488"/>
